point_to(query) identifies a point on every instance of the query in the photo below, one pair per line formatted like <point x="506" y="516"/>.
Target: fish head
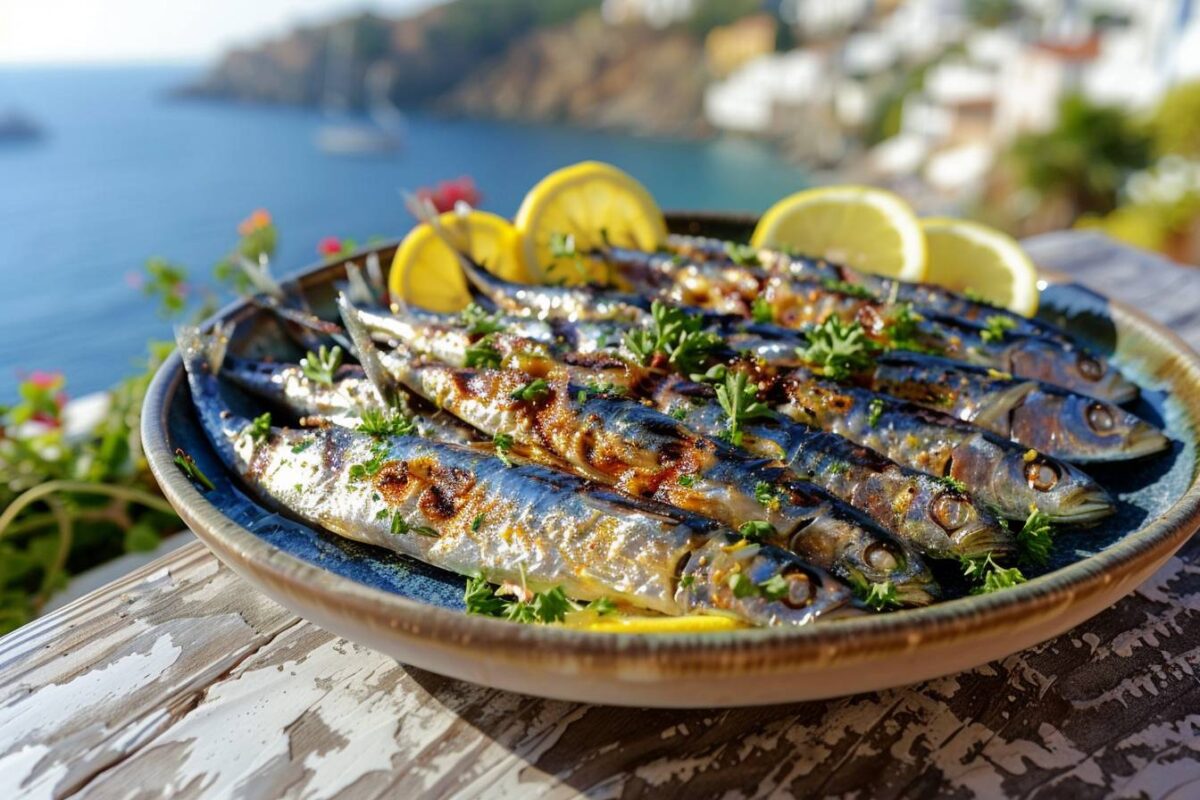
<point x="760" y="584"/>
<point x="1077" y="370"/>
<point x="1081" y="429"/>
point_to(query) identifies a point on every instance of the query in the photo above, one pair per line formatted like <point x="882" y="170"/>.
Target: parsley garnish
<point x="482" y="354"/>
<point x="532" y="391"/>
<point x="320" y="366"/>
<point x="994" y="328"/>
<point x="1036" y="537"/>
<point x="952" y="483"/>
<point x="686" y="480"/>
<point x="761" y="310"/>
<point x="774" y="587"/>
<point x="370" y="467"/>
<point x="838" y="349"/>
<point x="475" y="523"/>
<point x="882" y="596"/>
<point x="601" y="606"/>
<point x="302" y="445"/>
<point x="399" y="527"/>
<point x="679" y="413"/>
<point x="740" y="403"/>
<point x="875" y="411"/>
<point x="991" y="576"/>
<point x="849" y="289"/>
<point x="188" y="464"/>
<point x="260" y="428"/>
<point x="675" y="334"/>
<point x="385" y="423"/>
<point x="742" y="254"/>
<point x="598" y="388"/>
<point x="478" y="321"/>
<point x="901" y="330"/>
<point x="742" y="586"/>
<point x="503" y="443"/>
<point x="757" y="530"/>
<point x="480" y="597"/>
<point x="767" y="495"/>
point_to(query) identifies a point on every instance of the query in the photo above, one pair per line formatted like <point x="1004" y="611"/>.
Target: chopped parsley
<point x="742" y="586"/>
<point x="478" y="321"/>
<point x="837" y="349"/>
<point x="848" y="289"/>
<point x="761" y="310"/>
<point x="302" y="445"/>
<point x="320" y="366"/>
<point x="675" y="334"/>
<point x="882" y="596"/>
<point x="994" y="328"/>
<point x="774" y="587"/>
<point x="687" y="581"/>
<point x="687" y="481"/>
<point x="385" y="423"/>
<point x="875" y="411"/>
<point x="503" y="443"/>
<point x="757" y="530"/>
<point x="483" y="354"/>
<point x="480" y="598"/>
<point x="475" y="523"/>
<point x="952" y="483"/>
<point x="679" y="413"/>
<point x="369" y="468"/>
<point x="532" y="391"/>
<point x="901" y="330"/>
<point x="767" y="495"/>
<point x="742" y="254"/>
<point x="739" y="401"/>
<point x="598" y="388"/>
<point x="1036" y="537"/>
<point x="990" y="576"/>
<point x="260" y="428"/>
<point x="400" y="527"/>
<point x="188" y="464"/>
<point x="601" y="606"/>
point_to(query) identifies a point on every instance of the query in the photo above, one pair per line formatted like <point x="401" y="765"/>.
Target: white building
<point x="656" y="13"/>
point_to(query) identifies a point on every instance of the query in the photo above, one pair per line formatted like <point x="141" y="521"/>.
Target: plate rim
<point x="744" y="652"/>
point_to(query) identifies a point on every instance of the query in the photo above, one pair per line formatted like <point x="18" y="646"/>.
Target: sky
<point x="124" y="31"/>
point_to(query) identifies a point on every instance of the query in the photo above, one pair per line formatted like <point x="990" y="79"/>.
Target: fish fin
<point x="203" y="351"/>
<point x="357" y="287"/>
<point x="1001" y="405"/>
<point x="365" y="349"/>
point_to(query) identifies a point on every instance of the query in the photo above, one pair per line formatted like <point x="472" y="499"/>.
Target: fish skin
<point x="540" y="526"/>
<point x="1059" y="423"/>
<point x="802" y="302"/>
<point x="341" y="403"/>
<point x="939" y="520"/>
<point x="551" y="302"/>
<point x="995" y="469"/>
<point x="644" y="453"/>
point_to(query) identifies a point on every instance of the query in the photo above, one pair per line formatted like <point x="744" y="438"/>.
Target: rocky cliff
<point x="534" y="60"/>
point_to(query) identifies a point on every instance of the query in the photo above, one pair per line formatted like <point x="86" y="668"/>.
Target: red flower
<point x="329" y="246"/>
<point x="45" y="380"/>
<point x="448" y="193"/>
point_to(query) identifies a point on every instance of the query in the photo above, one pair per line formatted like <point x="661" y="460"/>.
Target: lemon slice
<point x="592" y="203"/>
<point x="968" y="256"/>
<point x="856" y="226"/>
<point x="697" y="623"/>
<point x="426" y="273"/>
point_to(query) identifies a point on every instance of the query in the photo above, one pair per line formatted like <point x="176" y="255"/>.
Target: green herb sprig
<point x="837" y="349"/>
<point x="385" y="423"/>
<point x="320" y="367"/>
<point x="739" y="401"/>
<point x="675" y="334"/>
<point x="994" y="328"/>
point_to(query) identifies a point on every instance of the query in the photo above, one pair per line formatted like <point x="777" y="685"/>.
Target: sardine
<point x="647" y="454"/>
<point x="467" y="512"/>
<point x="1010" y="477"/>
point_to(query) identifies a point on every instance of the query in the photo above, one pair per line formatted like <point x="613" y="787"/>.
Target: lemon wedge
<point x="697" y="623"/>
<point x="857" y="226"/>
<point x="578" y="208"/>
<point x="426" y="273"/>
<point x="968" y="256"/>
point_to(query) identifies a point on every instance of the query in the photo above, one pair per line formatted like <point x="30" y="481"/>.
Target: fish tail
<point x="367" y="352"/>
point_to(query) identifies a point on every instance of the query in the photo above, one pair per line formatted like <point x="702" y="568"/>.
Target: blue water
<point x="126" y="173"/>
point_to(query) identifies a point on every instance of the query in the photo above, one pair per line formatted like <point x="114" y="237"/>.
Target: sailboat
<point x="383" y="129"/>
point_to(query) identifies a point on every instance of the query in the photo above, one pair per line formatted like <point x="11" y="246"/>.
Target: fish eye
<point x="1100" y="418"/>
<point x="801" y="590"/>
<point x="880" y="557"/>
<point x="1041" y="476"/>
<point x="1089" y="367"/>
<point x="950" y="512"/>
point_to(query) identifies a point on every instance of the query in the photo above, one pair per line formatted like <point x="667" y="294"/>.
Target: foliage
<point x="73" y="501"/>
<point x="1085" y="159"/>
<point x="709" y="14"/>
<point x="1176" y="123"/>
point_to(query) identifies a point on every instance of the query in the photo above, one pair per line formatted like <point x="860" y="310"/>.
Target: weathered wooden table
<point x="180" y="680"/>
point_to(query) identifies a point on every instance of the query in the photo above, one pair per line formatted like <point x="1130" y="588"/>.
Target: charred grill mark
<point x="392" y="482"/>
<point x="449" y="491"/>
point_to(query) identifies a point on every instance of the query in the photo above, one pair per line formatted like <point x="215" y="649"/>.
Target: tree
<point x="1085" y="159"/>
<point x="1176" y="122"/>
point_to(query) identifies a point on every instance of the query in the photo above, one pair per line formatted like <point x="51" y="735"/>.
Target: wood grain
<point x="181" y="681"/>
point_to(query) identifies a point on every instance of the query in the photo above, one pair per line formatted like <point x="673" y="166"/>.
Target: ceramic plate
<point x="415" y="613"/>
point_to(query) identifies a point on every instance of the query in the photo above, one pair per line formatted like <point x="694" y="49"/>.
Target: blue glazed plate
<point x="415" y="612"/>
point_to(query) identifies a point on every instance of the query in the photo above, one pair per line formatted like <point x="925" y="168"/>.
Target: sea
<point x="126" y="172"/>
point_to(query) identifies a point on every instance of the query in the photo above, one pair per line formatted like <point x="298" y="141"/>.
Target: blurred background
<point x="135" y="135"/>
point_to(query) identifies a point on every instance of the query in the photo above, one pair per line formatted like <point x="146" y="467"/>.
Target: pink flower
<point x="45" y="380"/>
<point x="450" y="192"/>
<point x="329" y="246"/>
